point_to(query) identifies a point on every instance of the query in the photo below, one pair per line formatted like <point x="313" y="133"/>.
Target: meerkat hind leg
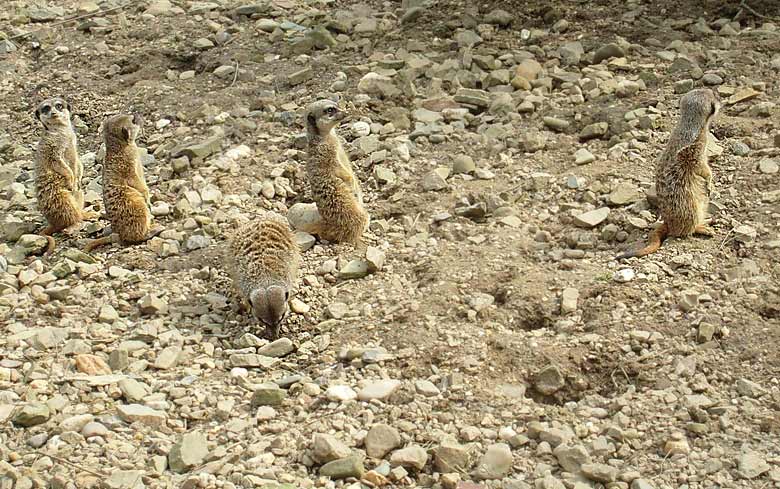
<point x="704" y="230"/>
<point x="95" y="243"/>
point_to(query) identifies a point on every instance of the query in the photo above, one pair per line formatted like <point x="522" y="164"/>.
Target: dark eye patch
<point x="45" y="109"/>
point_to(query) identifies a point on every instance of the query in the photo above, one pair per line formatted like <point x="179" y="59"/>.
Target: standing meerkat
<point x="125" y="194"/>
<point x="58" y="172"/>
<point x="263" y="260"/>
<point x="683" y="178"/>
<point x="335" y="189"/>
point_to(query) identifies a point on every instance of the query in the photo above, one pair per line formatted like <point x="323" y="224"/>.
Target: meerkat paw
<point x="704" y="230"/>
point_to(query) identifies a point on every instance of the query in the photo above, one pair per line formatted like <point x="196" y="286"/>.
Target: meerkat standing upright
<point x="683" y="176"/>
<point x="125" y="194"/>
<point x="263" y="259"/>
<point x="58" y="172"/>
<point x="335" y="189"/>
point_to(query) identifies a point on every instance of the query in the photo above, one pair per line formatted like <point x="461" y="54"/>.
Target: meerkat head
<point x="322" y="116"/>
<point x="701" y="104"/>
<point x="122" y="128"/>
<point x="269" y="305"/>
<point x="53" y="112"/>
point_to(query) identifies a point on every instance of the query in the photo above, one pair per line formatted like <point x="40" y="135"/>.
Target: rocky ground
<point x="488" y="339"/>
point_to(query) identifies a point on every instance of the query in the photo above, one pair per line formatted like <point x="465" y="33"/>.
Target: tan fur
<point x="334" y="187"/>
<point x="58" y="172"/>
<point x="683" y="176"/>
<point x="125" y="194"/>
<point x="263" y="259"/>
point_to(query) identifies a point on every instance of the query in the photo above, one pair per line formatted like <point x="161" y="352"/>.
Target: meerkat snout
<point x="269" y="305"/>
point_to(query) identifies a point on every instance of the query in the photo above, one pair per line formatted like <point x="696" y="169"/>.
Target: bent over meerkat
<point x="125" y="194"/>
<point x="58" y="172"/>
<point x="263" y="260"/>
<point x="683" y="177"/>
<point x="334" y="187"/>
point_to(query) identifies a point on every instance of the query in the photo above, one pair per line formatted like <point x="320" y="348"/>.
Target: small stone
<point x="624" y="194"/>
<point x="582" y="157"/>
<point x="608" y="51"/>
<point x="624" y="275"/>
<point x="167" y="358"/>
<point x="641" y="484"/>
<point x="600" y="472"/>
<point x="132" y="390"/>
<point x="150" y="305"/>
<point x="677" y="444"/>
<point x="355" y="269"/>
<point x="93" y="429"/>
<point x="375" y="258"/>
<point x="344" y="468"/>
<point x="571" y="458"/>
<point x="496" y="463"/>
<point x="132" y="413"/>
<point x="32" y="414"/>
<point x="569" y="299"/>
<point x="435" y="180"/>
<point x="768" y="167"/>
<point x="593" y="131"/>
<point x="381" y="439"/>
<point x="278" y="348"/>
<point x="411" y="457"/>
<point x="426" y="388"/>
<point x="749" y="388"/>
<point x="705" y="333"/>
<point x="377" y="85"/>
<point x="189" y="452"/>
<point x="549" y="380"/>
<point x="341" y="393"/>
<point x="125" y="479"/>
<point x="268" y="396"/>
<point x="592" y="218"/>
<point x="451" y="456"/>
<point x="326" y="448"/>
<point x="76" y="423"/>
<point x="745" y="233"/>
<point x="463" y="164"/>
<point x="92" y="365"/>
<point x="751" y="465"/>
<point x="380" y="390"/>
<point x="107" y="314"/>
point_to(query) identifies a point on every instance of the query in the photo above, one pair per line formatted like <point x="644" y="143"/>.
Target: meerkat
<point x="58" y="172"/>
<point x="125" y="194"/>
<point x="335" y="189"/>
<point x="683" y="177"/>
<point x="263" y="260"/>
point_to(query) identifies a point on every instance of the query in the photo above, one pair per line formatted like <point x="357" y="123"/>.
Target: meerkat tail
<point x="657" y="237"/>
<point x="95" y="243"/>
<point x="50" y="245"/>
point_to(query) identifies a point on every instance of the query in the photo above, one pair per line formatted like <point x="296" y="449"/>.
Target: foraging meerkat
<point x="683" y="178"/>
<point x="263" y="260"/>
<point x="335" y="188"/>
<point x="125" y="194"/>
<point x="58" y="172"/>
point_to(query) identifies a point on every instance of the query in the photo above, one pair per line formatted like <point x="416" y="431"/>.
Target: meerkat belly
<point x="126" y="209"/>
<point x="55" y="201"/>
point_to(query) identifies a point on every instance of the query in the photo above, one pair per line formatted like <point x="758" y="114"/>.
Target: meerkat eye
<point x="331" y="110"/>
<point x="58" y="106"/>
<point x="45" y="109"/>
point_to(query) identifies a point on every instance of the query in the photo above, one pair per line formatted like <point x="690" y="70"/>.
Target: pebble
<point x="340" y="393"/>
<point x="344" y="468"/>
<point x="381" y="439"/>
<point x="582" y="157"/>
<point x="380" y="390"/>
<point x="189" y="452"/>
<point x="411" y="457"/>
<point x="592" y="218"/>
<point x="326" y="448"/>
<point x="496" y="463"/>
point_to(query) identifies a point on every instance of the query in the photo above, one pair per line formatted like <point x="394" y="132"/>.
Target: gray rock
<point x="125" y="479"/>
<point x="278" y="348"/>
<point x="167" y="358"/>
<point x="751" y="464"/>
<point x="377" y="85"/>
<point x="151" y="305"/>
<point x="132" y="390"/>
<point x="499" y="17"/>
<point x="200" y="149"/>
<point x="269" y="395"/>
<point x="132" y="413"/>
<point x="549" y="380"/>
<point x="600" y="472"/>
<point x="189" y="452"/>
<point x="303" y="216"/>
<point x="463" y="164"/>
<point x="451" y="456"/>
<point x="749" y="388"/>
<point x="593" y="131"/>
<point x="745" y="233"/>
<point x="768" y="167"/>
<point x="569" y="299"/>
<point x="381" y="439"/>
<point x="380" y="390"/>
<point x="559" y="125"/>
<point x="532" y="141"/>
<point x="641" y="484"/>
<point x="434" y="181"/>
<point x="592" y="218"/>
<point x="625" y="193"/>
<point x="426" y="388"/>
<point x="608" y="51"/>
<point x="582" y="157"/>
<point x="571" y="458"/>
<point x="474" y="97"/>
<point x="355" y="269"/>
<point x="344" y="468"/>
<point x="411" y="457"/>
<point x="496" y="463"/>
<point x="32" y="414"/>
<point x="327" y="448"/>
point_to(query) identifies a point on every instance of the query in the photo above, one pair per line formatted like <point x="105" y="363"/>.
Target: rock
<point x="749" y="388"/>
<point x="463" y="164"/>
<point x="600" y="472"/>
<point x="326" y="448"/>
<point x="559" y="125"/>
<point x="132" y="413"/>
<point x="107" y="314"/>
<point x="32" y="414"/>
<point x="451" y="456"/>
<point x="125" y="479"/>
<point x="355" y="269"/>
<point x="751" y="464"/>
<point x="592" y="218"/>
<point x="435" y="180"/>
<point x="571" y="53"/>
<point x="571" y="458"/>
<point x="201" y="149"/>
<point x="375" y="258"/>
<point x="344" y="468"/>
<point x="532" y="141"/>
<point x="269" y="395"/>
<point x="624" y="194"/>
<point x="608" y="51"/>
<point x="499" y="17"/>
<point x="768" y="167"/>
<point x="340" y="393"/>
<point x="569" y="298"/>
<point x="529" y="69"/>
<point x="380" y="390"/>
<point x="496" y="463"/>
<point x="151" y="305"/>
<point x="377" y="85"/>
<point x="278" y="348"/>
<point x="624" y="275"/>
<point x="411" y="457"/>
<point x="582" y="157"/>
<point x="93" y="429"/>
<point x="676" y="445"/>
<point x="549" y="380"/>
<point x="745" y="233"/>
<point x="189" y="452"/>
<point x="426" y="388"/>
<point x="76" y="423"/>
<point x="167" y="358"/>
<point x="594" y="131"/>
<point x="132" y="390"/>
<point x="381" y="439"/>
<point x="478" y="98"/>
<point x="303" y="216"/>
<point x="92" y="365"/>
